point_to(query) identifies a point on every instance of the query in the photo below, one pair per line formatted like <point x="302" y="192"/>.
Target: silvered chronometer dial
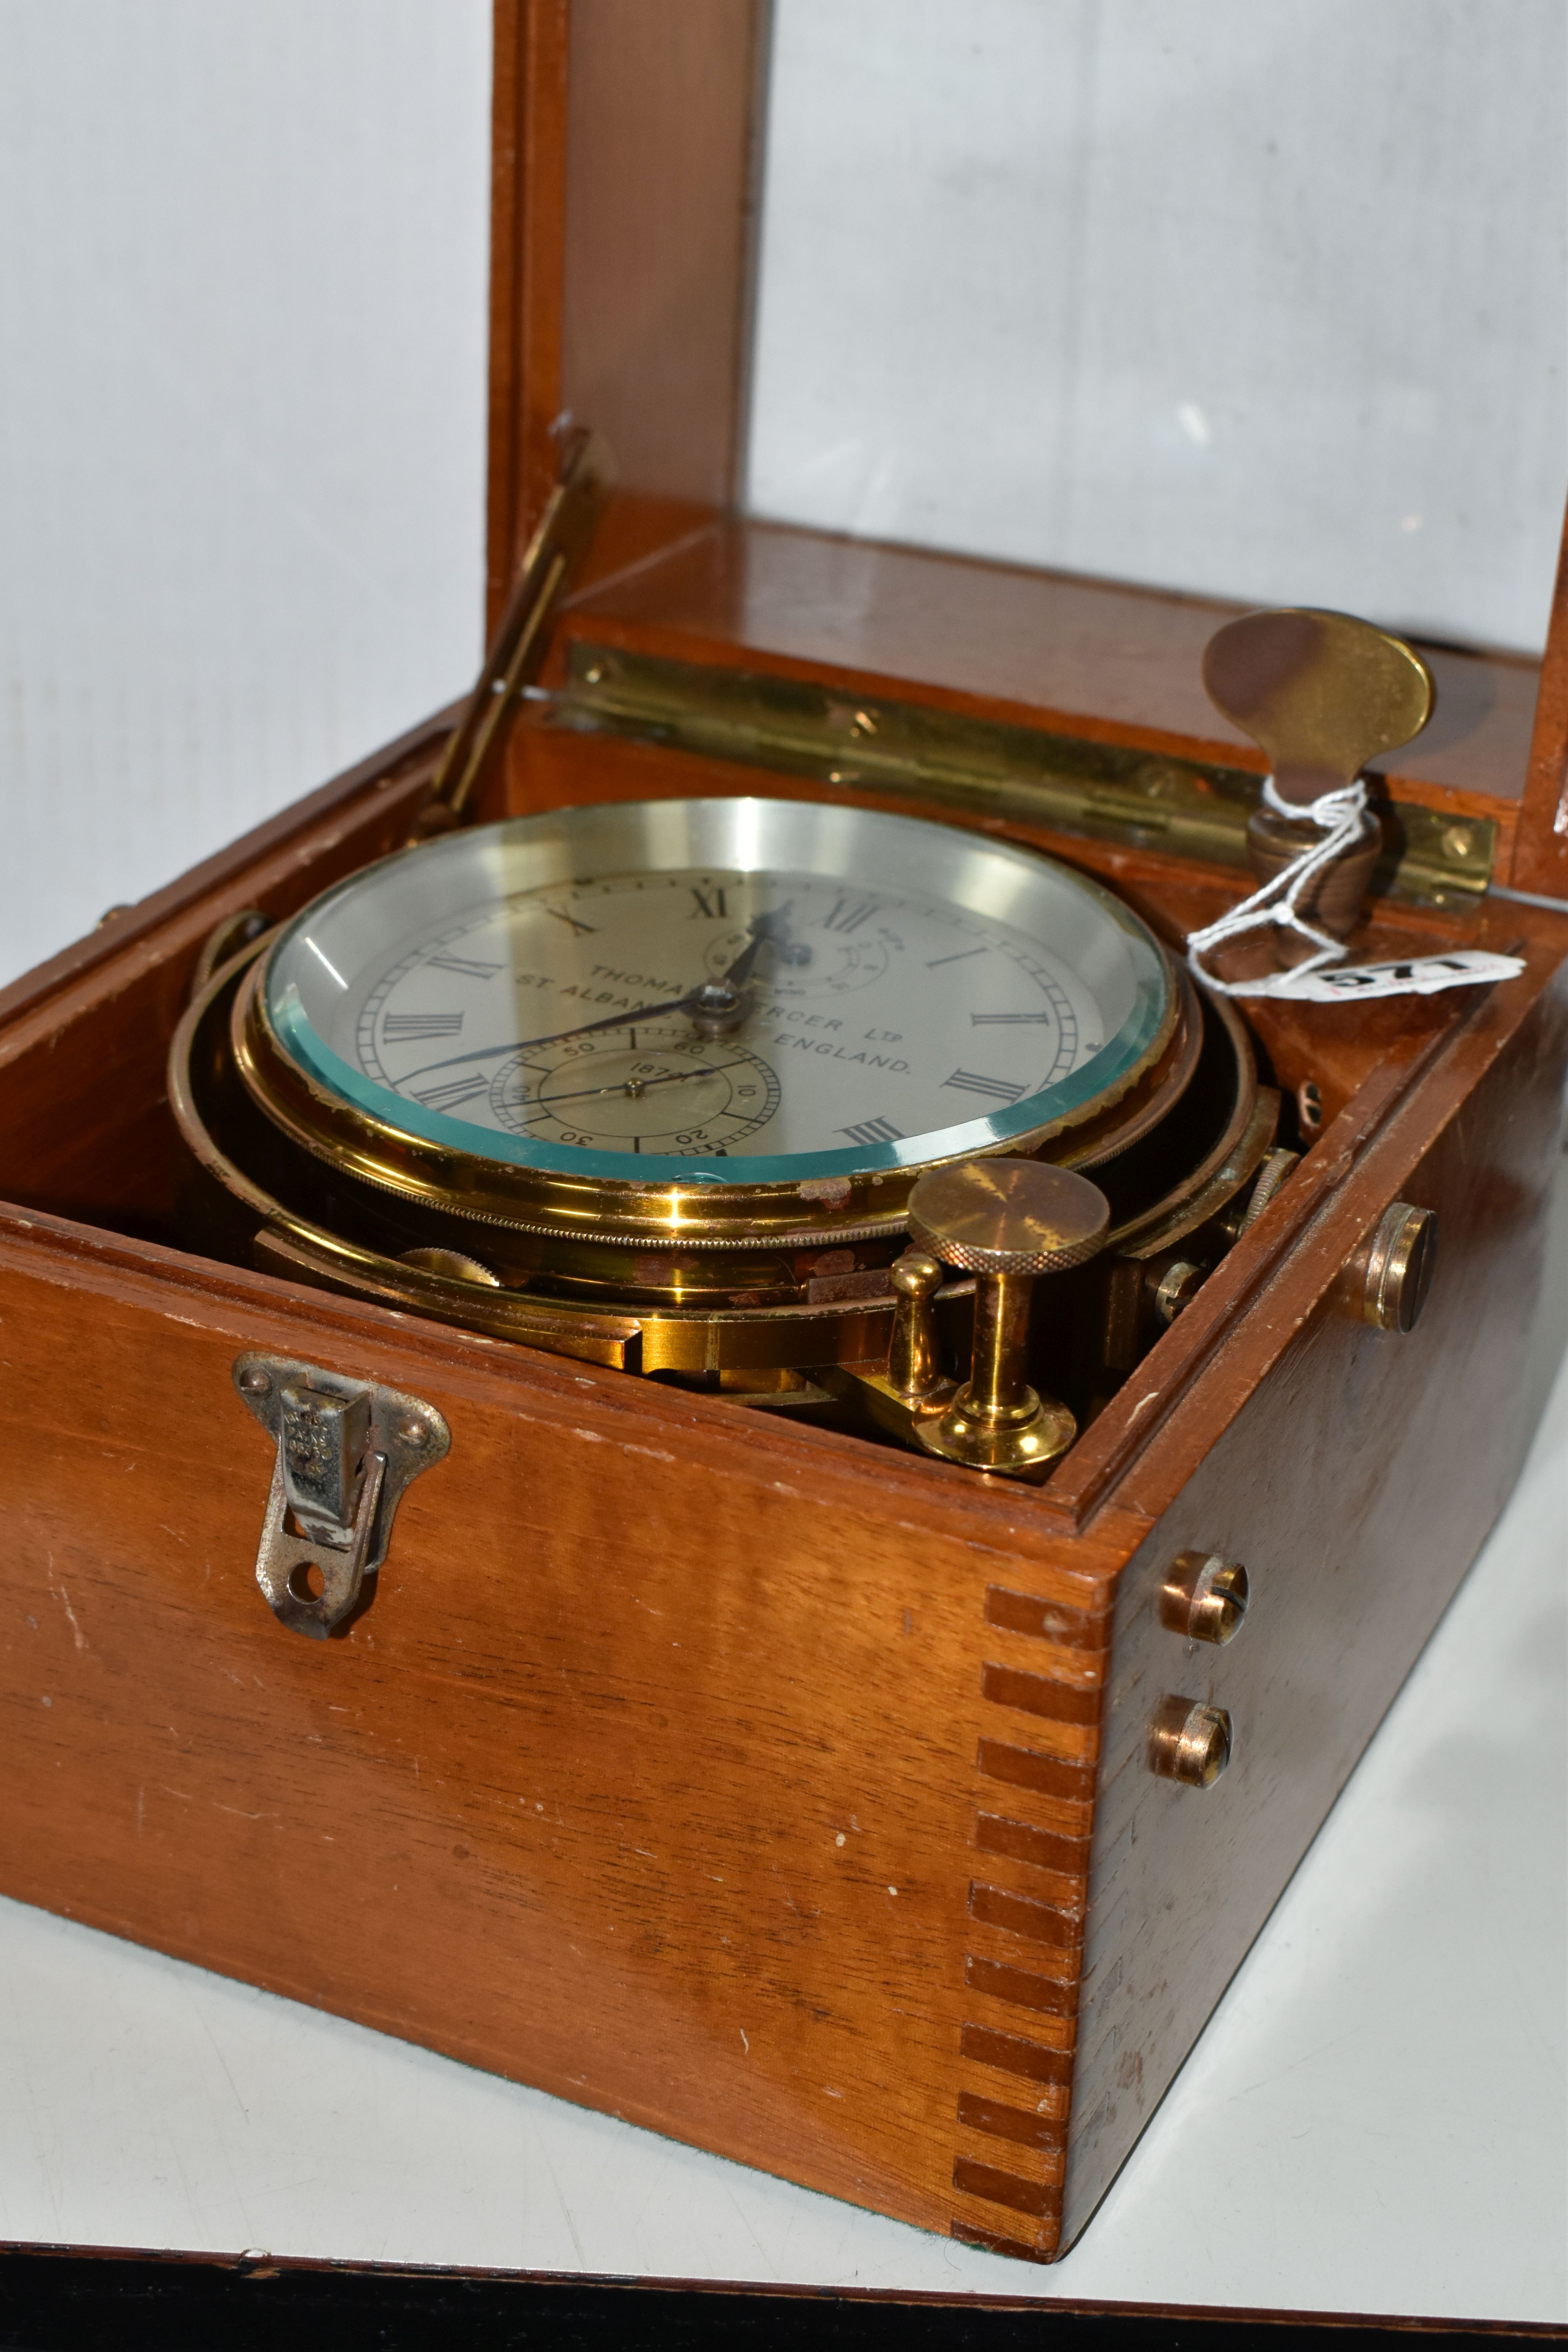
<point x="725" y="1018"/>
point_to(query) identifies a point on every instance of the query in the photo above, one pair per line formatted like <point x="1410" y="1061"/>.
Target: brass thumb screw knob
<point x="1006" y="1221"/>
<point x="1008" y="1217"/>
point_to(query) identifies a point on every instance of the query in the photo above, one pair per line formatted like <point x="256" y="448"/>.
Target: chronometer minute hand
<point x="583" y="1029"/>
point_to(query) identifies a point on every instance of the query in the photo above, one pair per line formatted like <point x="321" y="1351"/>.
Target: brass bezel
<point x="696" y="1216"/>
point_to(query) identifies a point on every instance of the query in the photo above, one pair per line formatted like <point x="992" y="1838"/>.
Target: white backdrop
<point x="244" y="249"/>
<point x="1097" y="283"/>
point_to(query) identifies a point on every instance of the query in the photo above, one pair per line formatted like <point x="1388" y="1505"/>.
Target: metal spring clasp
<point x="346" y="1451"/>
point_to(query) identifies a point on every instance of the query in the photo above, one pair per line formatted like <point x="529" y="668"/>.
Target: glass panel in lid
<point x="1241" y="297"/>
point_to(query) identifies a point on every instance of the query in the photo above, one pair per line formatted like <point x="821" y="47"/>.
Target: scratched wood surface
<point x="647" y="1775"/>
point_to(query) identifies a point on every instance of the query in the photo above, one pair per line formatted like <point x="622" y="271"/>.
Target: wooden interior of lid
<point x="625" y="155"/>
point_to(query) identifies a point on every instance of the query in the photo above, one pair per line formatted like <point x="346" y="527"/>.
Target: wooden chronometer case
<point x="777" y="1791"/>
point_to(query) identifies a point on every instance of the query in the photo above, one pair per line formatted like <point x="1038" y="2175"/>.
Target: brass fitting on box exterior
<point x="1189" y="1742"/>
<point x="1400" y="1262"/>
<point x="1204" y="1597"/>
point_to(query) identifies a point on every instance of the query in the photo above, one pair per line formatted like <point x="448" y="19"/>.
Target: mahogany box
<point x="777" y="1791"/>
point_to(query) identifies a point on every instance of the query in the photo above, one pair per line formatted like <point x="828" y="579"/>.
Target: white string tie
<point x="1341" y="818"/>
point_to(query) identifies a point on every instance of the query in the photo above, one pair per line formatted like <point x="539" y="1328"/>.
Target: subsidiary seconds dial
<point x="650" y="1087"/>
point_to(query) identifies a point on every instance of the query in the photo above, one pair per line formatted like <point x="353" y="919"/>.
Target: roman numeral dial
<point x="912" y="985"/>
<point x="451" y="1094"/>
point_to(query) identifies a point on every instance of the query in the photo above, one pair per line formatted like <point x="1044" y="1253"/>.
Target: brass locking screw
<point x="1400" y="1262"/>
<point x="1204" y="1597"/>
<point x="1189" y="1742"/>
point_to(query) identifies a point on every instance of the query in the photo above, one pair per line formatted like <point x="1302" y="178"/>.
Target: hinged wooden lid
<point x="625" y="176"/>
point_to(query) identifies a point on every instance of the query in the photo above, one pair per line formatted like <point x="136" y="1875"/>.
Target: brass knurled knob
<point x="1006" y="1222"/>
<point x="1008" y="1217"/>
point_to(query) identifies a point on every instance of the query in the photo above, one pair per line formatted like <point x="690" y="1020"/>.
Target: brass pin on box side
<point x="1400" y="1263"/>
<point x="1204" y="1597"/>
<point x="1189" y="1742"/>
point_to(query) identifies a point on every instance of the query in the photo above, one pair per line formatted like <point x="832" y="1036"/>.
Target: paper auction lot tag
<point x="1410" y="976"/>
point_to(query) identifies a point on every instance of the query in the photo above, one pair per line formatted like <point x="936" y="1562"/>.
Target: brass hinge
<point x="977" y="767"/>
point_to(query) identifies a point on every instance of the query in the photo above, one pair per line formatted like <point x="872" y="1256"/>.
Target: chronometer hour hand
<point x="761" y="929"/>
<point x="719" y="1006"/>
